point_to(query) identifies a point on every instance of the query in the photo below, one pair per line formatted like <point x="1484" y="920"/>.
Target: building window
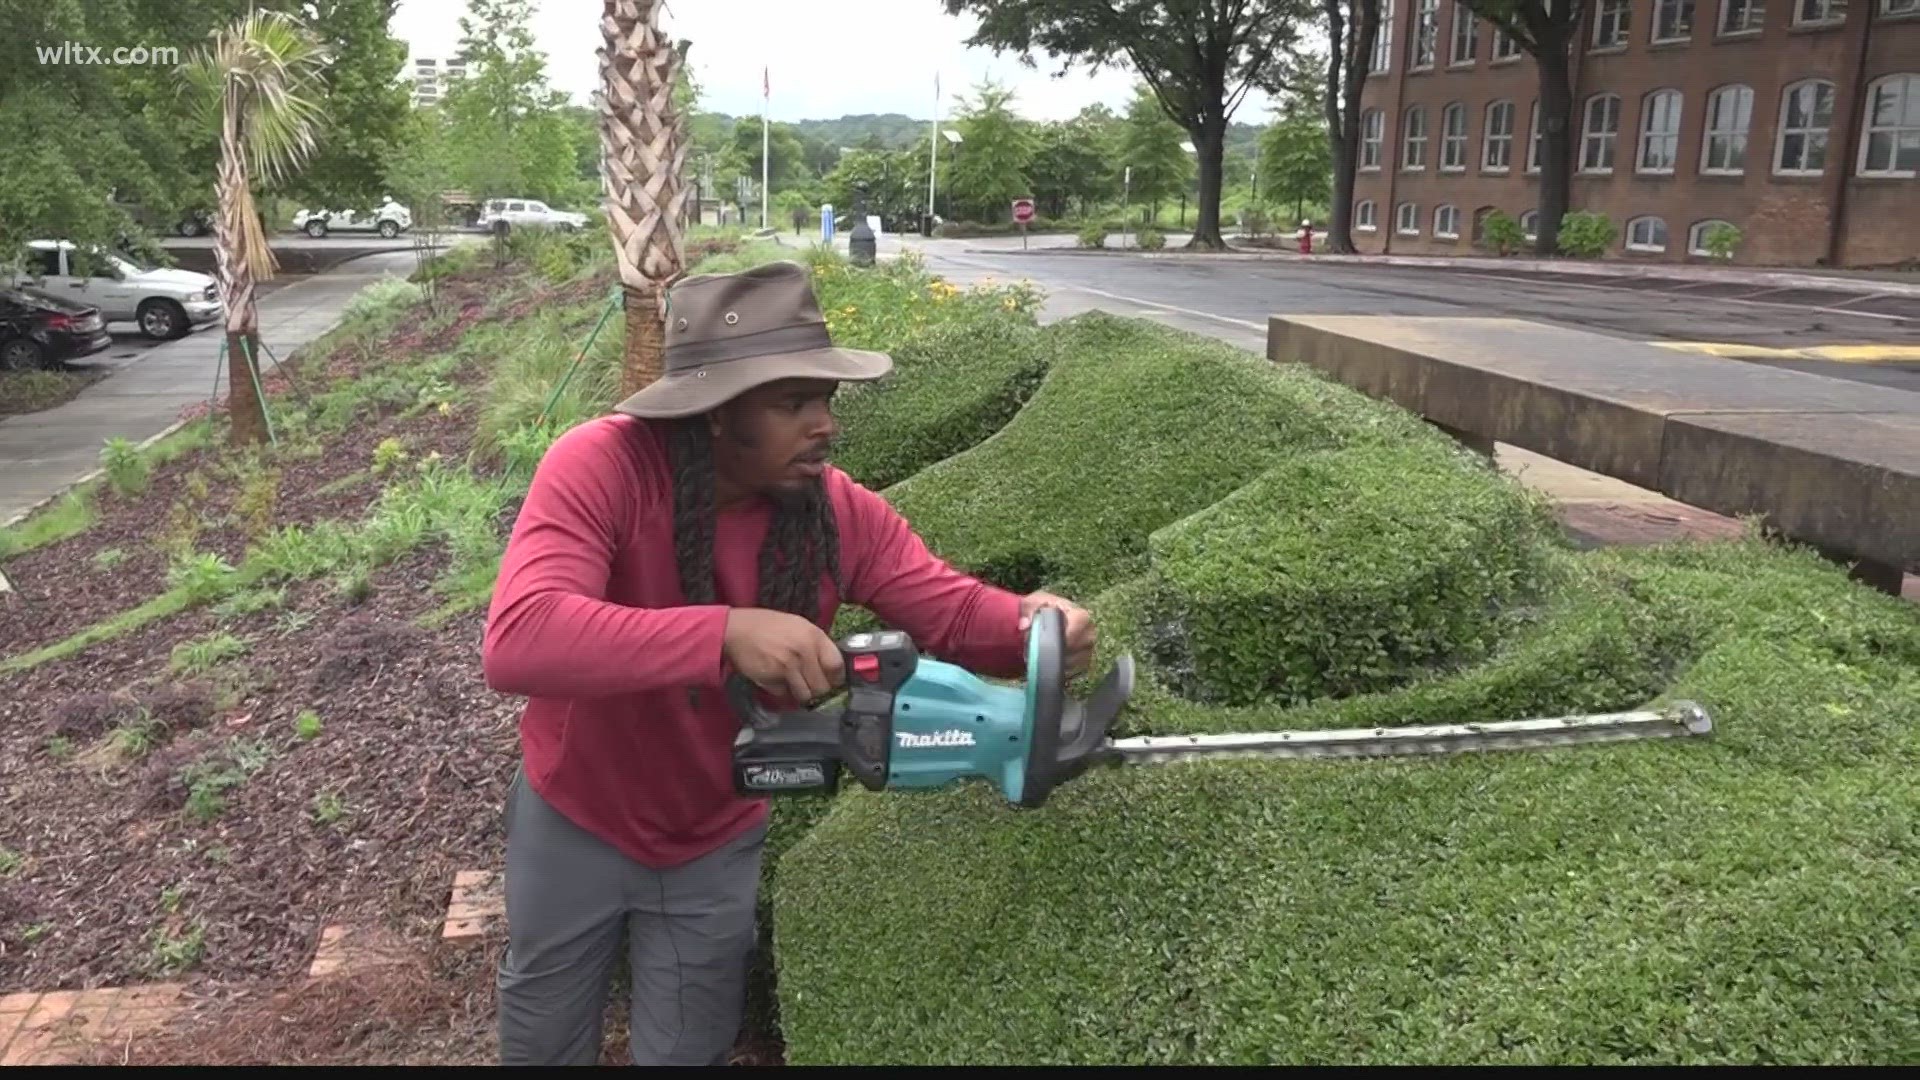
<point x="1659" y="132"/>
<point x="1729" y="111"/>
<point x="1498" y="156"/>
<point x="1453" y="138"/>
<point x="1530" y="224"/>
<point x="1597" y="138"/>
<point x="1406" y="220"/>
<point x="1900" y="7"/>
<point x="1466" y="35"/>
<point x="1413" y="152"/>
<point x="1383" y="40"/>
<point x="1892" y="143"/>
<point x="1446" y="222"/>
<point x="1806" y="112"/>
<point x="1373" y="125"/>
<point x="1612" y="21"/>
<point x="1742" y="16"/>
<point x="1697" y="235"/>
<point x="1363" y="216"/>
<point x="1536" y="142"/>
<point x="1672" y="20"/>
<point x="1426" y="23"/>
<point x="1647" y="234"/>
<point x="1504" y="47"/>
<point x="1819" y="12"/>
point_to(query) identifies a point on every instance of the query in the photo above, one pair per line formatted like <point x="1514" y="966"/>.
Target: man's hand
<point x="1080" y="631"/>
<point x="783" y="653"/>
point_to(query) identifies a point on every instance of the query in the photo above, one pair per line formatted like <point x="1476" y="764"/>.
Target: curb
<point x="1675" y="272"/>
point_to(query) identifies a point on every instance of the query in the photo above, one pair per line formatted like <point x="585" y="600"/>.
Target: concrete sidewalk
<point x="43" y="454"/>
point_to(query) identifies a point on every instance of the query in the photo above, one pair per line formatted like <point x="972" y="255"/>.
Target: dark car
<point x="39" y="330"/>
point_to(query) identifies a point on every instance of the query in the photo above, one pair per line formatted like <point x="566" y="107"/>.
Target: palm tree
<point x="259" y="82"/>
<point x="643" y="149"/>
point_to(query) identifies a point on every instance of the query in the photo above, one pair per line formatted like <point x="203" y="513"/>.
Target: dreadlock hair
<point x="803" y="540"/>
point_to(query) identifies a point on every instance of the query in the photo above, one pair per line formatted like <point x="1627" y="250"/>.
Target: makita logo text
<point x="952" y="737"/>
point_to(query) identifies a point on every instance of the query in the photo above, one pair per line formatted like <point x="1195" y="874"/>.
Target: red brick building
<point x="1795" y="121"/>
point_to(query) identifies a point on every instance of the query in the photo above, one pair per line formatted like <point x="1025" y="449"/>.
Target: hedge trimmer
<point x="913" y="722"/>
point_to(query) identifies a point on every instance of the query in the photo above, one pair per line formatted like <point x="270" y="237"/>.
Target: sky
<point x="824" y="58"/>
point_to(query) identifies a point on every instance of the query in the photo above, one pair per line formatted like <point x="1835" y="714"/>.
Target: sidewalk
<point x="43" y="454"/>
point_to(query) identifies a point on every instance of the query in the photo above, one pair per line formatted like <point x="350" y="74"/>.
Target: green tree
<point x="1199" y="56"/>
<point x="367" y="104"/>
<point x="1544" y="30"/>
<point x="509" y="126"/>
<point x="990" y="171"/>
<point x="1352" y="28"/>
<point x="1074" y="162"/>
<point x="1295" y="163"/>
<point x="1150" y="145"/>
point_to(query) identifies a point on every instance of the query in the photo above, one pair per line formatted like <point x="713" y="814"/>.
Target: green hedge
<point x="1342" y="572"/>
<point x="1745" y="899"/>
<point x="1136" y="426"/>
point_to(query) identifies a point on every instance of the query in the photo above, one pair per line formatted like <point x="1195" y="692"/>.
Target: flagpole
<point x="766" y="103"/>
<point x="933" y="154"/>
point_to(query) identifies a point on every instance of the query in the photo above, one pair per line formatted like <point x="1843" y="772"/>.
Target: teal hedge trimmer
<point x="912" y="722"/>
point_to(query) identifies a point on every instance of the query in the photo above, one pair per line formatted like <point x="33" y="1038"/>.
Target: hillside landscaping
<point x="241" y="702"/>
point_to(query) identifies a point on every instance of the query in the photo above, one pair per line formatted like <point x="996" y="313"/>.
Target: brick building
<point x="1795" y="121"/>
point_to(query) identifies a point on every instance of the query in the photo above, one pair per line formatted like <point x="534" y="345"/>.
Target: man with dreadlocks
<point x="696" y="533"/>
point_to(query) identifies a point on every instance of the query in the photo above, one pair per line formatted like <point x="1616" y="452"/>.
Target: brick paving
<point x="58" y="1027"/>
<point x="479" y="897"/>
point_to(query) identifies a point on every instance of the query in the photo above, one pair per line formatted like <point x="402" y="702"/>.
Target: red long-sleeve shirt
<point x="589" y="623"/>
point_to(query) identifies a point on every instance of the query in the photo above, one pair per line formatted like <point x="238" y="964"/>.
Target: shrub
<point x="1093" y="235"/>
<point x="1502" y="233"/>
<point x="1743" y="899"/>
<point x="1342" y="572"/>
<point x="1721" y="240"/>
<point x="1136" y="426"/>
<point x="950" y="389"/>
<point x="1150" y="238"/>
<point x="1586" y="234"/>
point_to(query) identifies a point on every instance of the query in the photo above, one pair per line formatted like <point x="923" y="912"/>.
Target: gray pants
<point x="690" y="930"/>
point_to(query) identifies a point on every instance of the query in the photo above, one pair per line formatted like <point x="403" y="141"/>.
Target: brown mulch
<point x="340" y="769"/>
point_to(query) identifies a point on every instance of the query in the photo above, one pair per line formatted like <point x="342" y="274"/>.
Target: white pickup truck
<point x="164" y="303"/>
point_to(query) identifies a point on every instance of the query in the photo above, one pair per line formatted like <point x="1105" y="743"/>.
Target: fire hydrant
<point x="1306" y="238"/>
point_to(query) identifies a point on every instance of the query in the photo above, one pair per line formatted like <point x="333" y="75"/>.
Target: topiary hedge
<point x="1745" y="899"/>
<point x="1341" y="572"/>
<point x="1136" y="426"/>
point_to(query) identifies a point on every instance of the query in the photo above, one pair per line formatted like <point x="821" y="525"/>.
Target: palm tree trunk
<point x="642" y="154"/>
<point x="246" y="412"/>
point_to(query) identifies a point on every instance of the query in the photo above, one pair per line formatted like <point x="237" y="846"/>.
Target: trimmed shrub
<point x="1136" y="426"/>
<point x="1341" y="572"/>
<point x="950" y="389"/>
<point x="1743" y="899"/>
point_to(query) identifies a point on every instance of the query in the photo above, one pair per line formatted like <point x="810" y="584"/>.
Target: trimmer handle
<point x="740" y="692"/>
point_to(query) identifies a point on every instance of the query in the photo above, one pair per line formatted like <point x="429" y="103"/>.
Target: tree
<point x="1544" y="30"/>
<point x="991" y="171"/>
<point x="1200" y="57"/>
<point x="1149" y="145"/>
<point x="261" y="83"/>
<point x="367" y="105"/>
<point x="509" y="125"/>
<point x="644" y="153"/>
<point x="1352" y="28"/>
<point x="1295" y="162"/>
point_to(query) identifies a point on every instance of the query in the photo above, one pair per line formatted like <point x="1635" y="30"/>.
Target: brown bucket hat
<point x="728" y="333"/>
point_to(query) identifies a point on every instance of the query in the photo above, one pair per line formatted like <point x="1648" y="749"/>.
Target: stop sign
<point x="1023" y="210"/>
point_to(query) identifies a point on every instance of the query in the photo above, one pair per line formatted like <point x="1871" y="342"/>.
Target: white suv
<point x="528" y="214"/>
<point x="165" y="303"/>
<point x="389" y="221"/>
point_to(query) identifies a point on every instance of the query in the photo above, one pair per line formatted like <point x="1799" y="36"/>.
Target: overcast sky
<point x="827" y="58"/>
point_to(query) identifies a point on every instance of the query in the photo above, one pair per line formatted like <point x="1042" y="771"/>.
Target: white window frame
<point x="1608" y="140"/>
<point x="1677" y="11"/>
<point x="1615" y="18"/>
<point x="1410" y="139"/>
<point x="1643" y="219"/>
<point x="1406" y="212"/>
<point x="1668" y="137"/>
<point x="1740" y="135"/>
<point x="1373" y="138"/>
<point x="1494" y="138"/>
<point x="1450" y="231"/>
<point x="1697" y="235"/>
<point x="1824" y="12"/>
<point x="1505" y="49"/>
<point x="1423" y="43"/>
<point x="1808" y="133"/>
<point x="1909" y="83"/>
<point x="1899" y="9"/>
<point x="1363" y="216"/>
<point x="1382" y="60"/>
<point x="1755" y="12"/>
<point x="1534" y="145"/>
<point x="1531" y="232"/>
<point x="1464" y="21"/>
<point x="1452" y="145"/>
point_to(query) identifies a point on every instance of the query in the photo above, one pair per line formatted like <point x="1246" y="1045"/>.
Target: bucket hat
<point x="729" y="333"/>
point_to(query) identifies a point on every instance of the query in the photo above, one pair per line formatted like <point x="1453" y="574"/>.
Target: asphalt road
<point x="1233" y="298"/>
